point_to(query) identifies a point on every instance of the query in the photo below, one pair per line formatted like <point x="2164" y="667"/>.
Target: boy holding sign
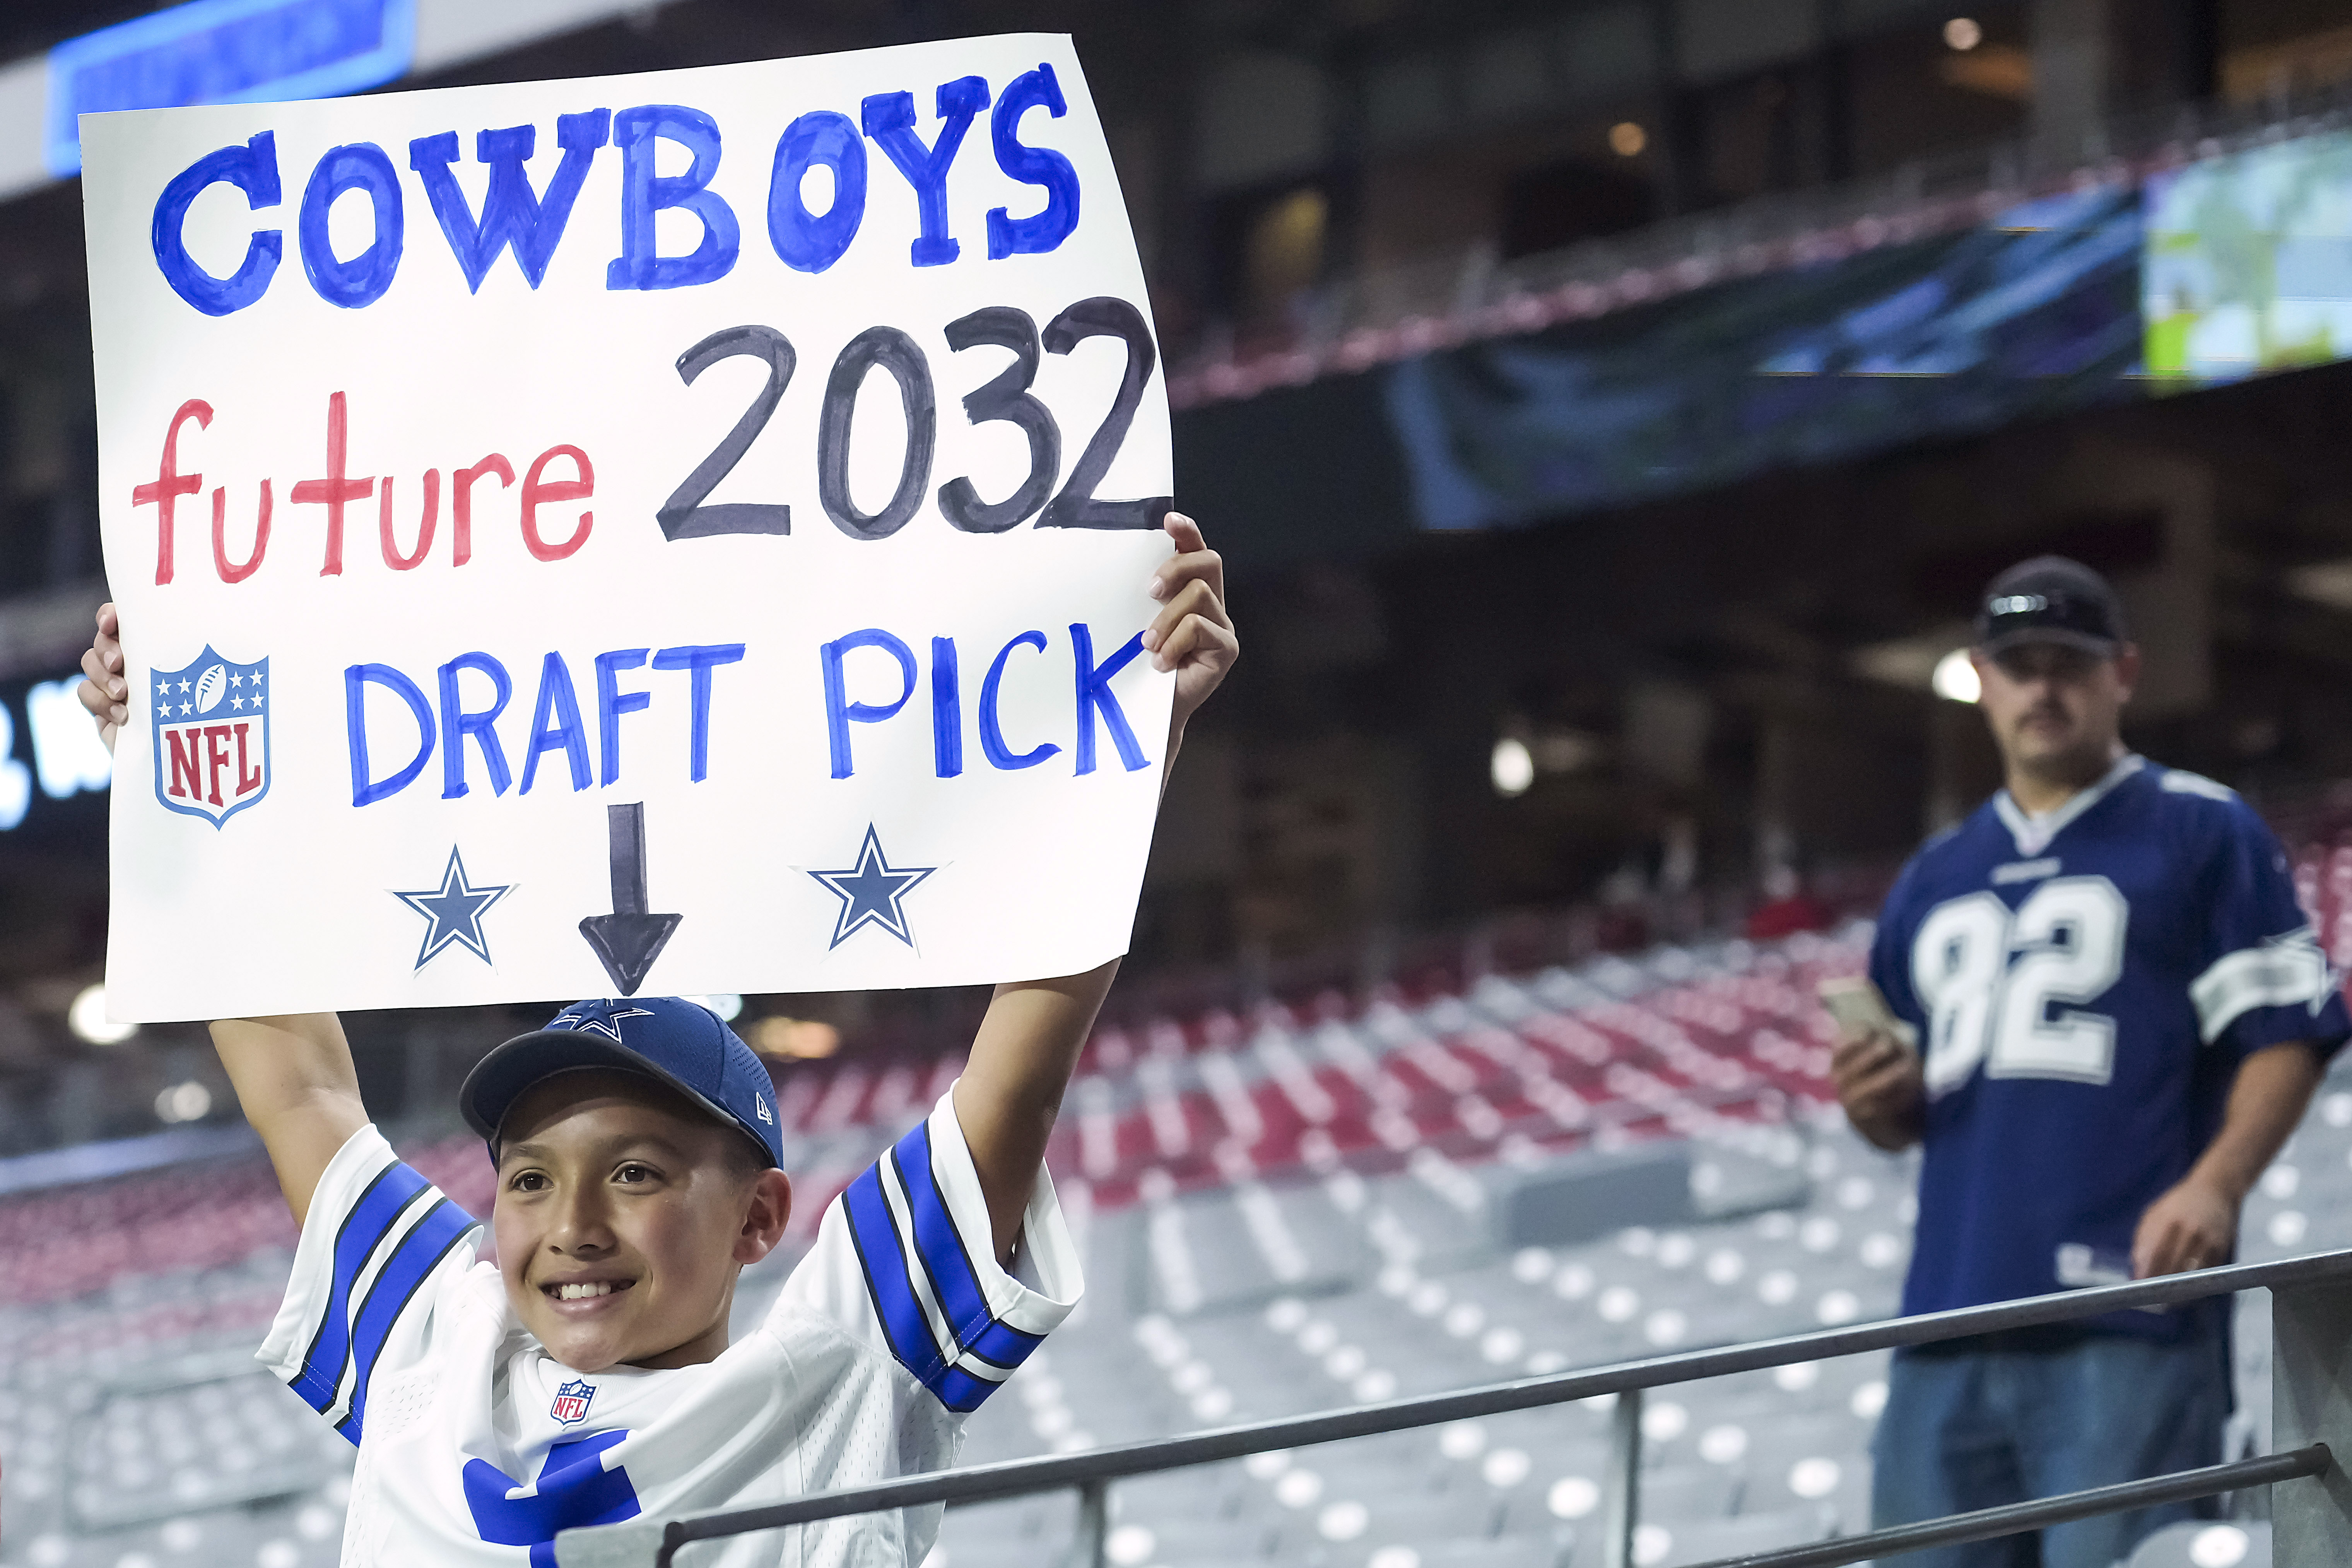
<point x="585" y="1377"/>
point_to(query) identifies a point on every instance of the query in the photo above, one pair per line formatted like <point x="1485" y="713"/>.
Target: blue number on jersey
<point x="2083" y="986"/>
<point x="573" y="1488"/>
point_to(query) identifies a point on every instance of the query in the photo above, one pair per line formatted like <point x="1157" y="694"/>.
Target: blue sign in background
<point x="223" y="51"/>
<point x="53" y="775"/>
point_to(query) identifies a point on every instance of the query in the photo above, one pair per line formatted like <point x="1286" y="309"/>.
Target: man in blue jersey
<point x="2116" y="1013"/>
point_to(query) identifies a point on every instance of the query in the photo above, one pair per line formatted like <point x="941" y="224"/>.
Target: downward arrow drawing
<point x="629" y="940"/>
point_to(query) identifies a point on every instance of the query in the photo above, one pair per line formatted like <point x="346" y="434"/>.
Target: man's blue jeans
<point x="2010" y="1418"/>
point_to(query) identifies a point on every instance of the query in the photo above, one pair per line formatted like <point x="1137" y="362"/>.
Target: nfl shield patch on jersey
<point x="572" y="1401"/>
<point x="212" y="736"/>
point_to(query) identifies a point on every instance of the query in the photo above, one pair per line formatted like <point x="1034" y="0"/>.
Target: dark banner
<point x="2034" y="313"/>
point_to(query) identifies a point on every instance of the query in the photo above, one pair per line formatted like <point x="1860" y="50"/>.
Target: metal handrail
<point x="1019" y="1477"/>
<point x="1985" y="1524"/>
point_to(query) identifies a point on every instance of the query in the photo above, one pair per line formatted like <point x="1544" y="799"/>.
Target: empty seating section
<point x="1278" y="1213"/>
<point x="1687" y="1043"/>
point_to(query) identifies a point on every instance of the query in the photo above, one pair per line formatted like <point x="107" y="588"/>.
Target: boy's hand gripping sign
<point x="686" y="531"/>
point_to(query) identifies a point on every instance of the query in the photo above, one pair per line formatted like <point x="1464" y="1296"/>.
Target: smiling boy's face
<point x="624" y="1213"/>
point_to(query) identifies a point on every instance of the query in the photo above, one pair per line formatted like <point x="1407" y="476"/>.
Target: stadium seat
<point x="1280" y="1213"/>
<point x="1705" y="1540"/>
<point x="2236" y="1544"/>
<point x="1687" y="1493"/>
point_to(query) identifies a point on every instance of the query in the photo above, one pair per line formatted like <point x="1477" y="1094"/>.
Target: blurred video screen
<point x="2248" y="263"/>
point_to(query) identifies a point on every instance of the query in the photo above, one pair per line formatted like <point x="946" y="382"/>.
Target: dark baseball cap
<point x="669" y="1039"/>
<point x="2051" y="599"/>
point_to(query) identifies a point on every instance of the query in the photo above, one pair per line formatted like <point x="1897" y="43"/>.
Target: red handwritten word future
<point x="336" y="490"/>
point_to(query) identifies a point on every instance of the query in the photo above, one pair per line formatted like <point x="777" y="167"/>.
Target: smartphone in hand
<point x="1860" y="1010"/>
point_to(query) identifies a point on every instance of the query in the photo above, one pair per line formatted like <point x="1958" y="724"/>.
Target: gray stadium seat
<point x="2236" y="1544"/>
<point x="1503" y="1552"/>
<point x="1178" y="1539"/>
<point x="1418" y="1521"/>
<point x="1713" y="1495"/>
<point x="1704" y="1540"/>
<point x="1686" y="1492"/>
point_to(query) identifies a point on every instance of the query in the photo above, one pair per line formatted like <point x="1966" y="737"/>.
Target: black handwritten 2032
<point x="1006" y="399"/>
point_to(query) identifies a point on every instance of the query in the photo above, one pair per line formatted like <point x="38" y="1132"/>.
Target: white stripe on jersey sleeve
<point x="369" y="1213"/>
<point x="2285" y="971"/>
<point x="878" y="1274"/>
<point x="365" y="1281"/>
<point x="1045" y="1281"/>
<point x="364" y="1156"/>
<point x="943" y="1336"/>
<point x="2180" y="781"/>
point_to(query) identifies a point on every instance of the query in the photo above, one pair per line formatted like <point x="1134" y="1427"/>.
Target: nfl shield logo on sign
<point x="212" y="736"/>
<point x="572" y="1401"/>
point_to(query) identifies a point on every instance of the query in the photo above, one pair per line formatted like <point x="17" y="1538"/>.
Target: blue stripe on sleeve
<point x="949" y="1262"/>
<point x="378" y="1207"/>
<point x="887" y="1280"/>
<point x="960" y="1391"/>
<point x="427" y="1242"/>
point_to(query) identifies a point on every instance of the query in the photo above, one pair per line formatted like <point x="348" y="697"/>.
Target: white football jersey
<point x="476" y="1446"/>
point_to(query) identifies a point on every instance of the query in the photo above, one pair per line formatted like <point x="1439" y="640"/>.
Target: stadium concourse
<point x="1278" y="1214"/>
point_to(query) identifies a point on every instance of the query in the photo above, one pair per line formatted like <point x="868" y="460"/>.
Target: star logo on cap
<point x="453" y="911"/>
<point x="870" y="892"/>
<point x="609" y="1025"/>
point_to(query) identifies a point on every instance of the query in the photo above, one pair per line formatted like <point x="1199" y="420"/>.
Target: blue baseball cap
<point x="673" y="1041"/>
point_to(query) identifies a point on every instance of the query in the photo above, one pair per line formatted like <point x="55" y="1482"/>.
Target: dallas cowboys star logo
<point x="453" y="911"/>
<point x="609" y="1025"/>
<point x="869" y="892"/>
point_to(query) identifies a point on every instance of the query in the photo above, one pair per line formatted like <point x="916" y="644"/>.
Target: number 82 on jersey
<point x="2008" y="991"/>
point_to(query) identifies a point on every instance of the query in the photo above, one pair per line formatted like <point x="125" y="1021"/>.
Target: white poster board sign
<point x="685" y="532"/>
